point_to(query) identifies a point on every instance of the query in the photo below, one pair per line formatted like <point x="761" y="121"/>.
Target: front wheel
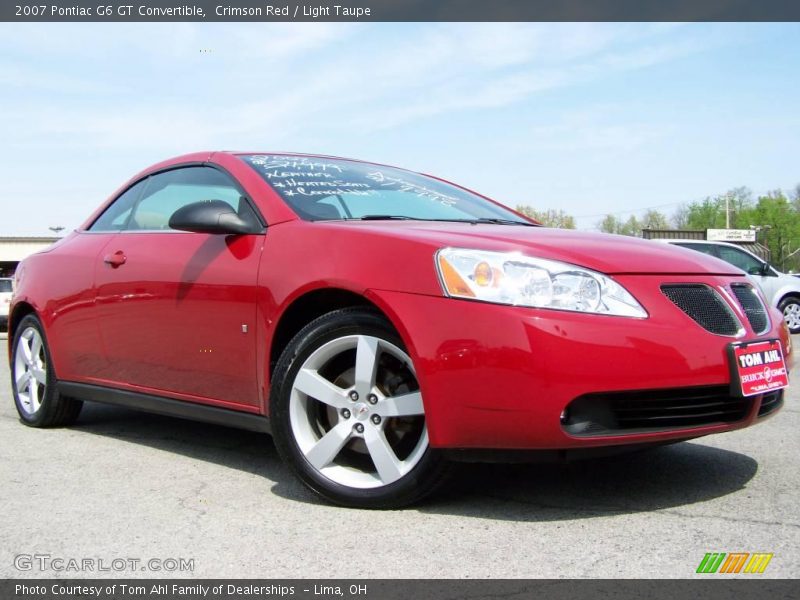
<point x="348" y="415"/>
<point x="790" y="307"/>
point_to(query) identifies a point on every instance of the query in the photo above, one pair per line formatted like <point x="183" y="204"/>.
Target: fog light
<point x="564" y="416"/>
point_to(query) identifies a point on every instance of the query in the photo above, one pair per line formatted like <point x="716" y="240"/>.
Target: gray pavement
<point x="124" y="485"/>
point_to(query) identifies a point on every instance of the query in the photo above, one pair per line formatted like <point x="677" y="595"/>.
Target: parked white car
<point x="781" y="289"/>
<point x="5" y="300"/>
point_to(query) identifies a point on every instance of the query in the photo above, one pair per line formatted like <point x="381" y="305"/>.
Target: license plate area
<point x="757" y="367"/>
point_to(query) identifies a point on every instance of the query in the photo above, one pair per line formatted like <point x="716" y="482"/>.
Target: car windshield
<point x="321" y="189"/>
<point x="5" y="285"/>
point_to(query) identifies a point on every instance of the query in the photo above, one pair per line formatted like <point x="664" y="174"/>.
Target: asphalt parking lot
<point x="120" y="484"/>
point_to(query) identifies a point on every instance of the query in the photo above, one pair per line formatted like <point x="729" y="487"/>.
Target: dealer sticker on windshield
<point x="757" y="367"/>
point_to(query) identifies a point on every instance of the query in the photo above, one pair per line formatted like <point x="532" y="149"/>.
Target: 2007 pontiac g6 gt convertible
<point x="381" y="324"/>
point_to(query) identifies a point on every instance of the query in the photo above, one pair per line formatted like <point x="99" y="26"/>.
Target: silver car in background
<point x="6" y="287"/>
<point x="780" y="289"/>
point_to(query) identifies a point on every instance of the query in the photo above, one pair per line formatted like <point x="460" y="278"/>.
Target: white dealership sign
<point x="731" y="235"/>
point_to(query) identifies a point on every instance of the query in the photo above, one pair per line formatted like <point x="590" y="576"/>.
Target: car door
<point x="176" y="310"/>
<point x="71" y="315"/>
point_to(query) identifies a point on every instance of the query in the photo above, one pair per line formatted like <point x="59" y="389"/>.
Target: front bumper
<point x="501" y="377"/>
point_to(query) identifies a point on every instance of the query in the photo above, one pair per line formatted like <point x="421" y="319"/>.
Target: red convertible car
<point x="381" y="324"/>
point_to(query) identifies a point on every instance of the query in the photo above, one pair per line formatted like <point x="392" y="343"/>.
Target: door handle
<point x="115" y="260"/>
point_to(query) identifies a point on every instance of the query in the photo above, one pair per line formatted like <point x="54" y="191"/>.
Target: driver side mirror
<point x="763" y="270"/>
<point x="210" y="216"/>
<point x="759" y="270"/>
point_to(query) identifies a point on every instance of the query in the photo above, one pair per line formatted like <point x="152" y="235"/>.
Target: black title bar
<point x="714" y="588"/>
<point x="398" y="10"/>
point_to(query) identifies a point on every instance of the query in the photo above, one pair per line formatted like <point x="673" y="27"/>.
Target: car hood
<point x="612" y="254"/>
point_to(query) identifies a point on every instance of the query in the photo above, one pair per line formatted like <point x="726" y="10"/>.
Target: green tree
<point x="710" y="212"/>
<point x="705" y="214"/>
<point x="654" y="220"/>
<point x="680" y="218"/>
<point x="550" y="217"/>
<point x="610" y="224"/>
<point x="632" y="227"/>
<point x="780" y="226"/>
<point x="776" y="214"/>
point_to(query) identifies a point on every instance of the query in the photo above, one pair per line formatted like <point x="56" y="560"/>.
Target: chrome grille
<point x="704" y="306"/>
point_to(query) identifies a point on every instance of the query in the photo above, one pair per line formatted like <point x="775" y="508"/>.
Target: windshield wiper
<point x="487" y="220"/>
<point x="389" y="218"/>
<point x="494" y="221"/>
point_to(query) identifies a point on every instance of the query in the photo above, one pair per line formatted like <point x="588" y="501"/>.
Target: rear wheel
<point x="348" y="415"/>
<point x="790" y="307"/>
<point x="33" y="380"/>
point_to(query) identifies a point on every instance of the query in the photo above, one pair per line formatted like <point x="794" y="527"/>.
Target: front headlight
<point x="512" y="278"/>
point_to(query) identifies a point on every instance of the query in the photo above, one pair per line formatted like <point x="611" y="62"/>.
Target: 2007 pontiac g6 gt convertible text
<point x="381" y="323"/>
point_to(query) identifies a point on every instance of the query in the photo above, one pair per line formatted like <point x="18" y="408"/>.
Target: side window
<point x="740" y="259"/>
<point x="704" y="248"/>
<point x="167" y="192"/>
<point x="116" y="215"/>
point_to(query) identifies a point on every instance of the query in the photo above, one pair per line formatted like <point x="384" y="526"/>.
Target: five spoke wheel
<point x="791" y="314"/>
<point x="368" y="407"/>
<point x="30" y="370"/>
<point x="348" y="414"/>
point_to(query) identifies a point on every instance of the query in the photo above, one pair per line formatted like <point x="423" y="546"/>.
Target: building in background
<point x="14" y="249"/>
<point x="746" y="238"/>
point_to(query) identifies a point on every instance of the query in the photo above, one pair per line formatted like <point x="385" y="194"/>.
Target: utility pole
<point x="728" y="211"/>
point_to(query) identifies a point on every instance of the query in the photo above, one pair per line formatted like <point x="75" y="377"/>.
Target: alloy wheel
<point x="30" y="370"/>
<point x="356" y="412"/>
<point x="791" y="314"/>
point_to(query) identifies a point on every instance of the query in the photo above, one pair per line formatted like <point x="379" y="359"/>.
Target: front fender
<point x="787" y="290"/>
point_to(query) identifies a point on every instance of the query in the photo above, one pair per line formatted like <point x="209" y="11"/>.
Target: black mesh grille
<point x="752" y="306"/>
<point x="653" y="410"/>
<point x="704" y="306"/>
<point x="770" y="403"/>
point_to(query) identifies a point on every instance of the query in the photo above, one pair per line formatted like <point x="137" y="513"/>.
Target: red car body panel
<point x="502" y="375"/>
<point x="201" y="279"/>
<point x="193" y="317"/>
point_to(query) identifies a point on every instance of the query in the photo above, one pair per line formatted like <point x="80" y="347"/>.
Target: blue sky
<point x="591" y="118"/>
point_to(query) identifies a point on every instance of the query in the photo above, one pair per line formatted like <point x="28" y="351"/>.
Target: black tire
<point x="791" y="305"/>
<point x="425" y="475"/>
<point x="53" y="410"/>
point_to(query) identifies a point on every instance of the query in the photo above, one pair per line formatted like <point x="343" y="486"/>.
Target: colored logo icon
<point x="734" y="562"/>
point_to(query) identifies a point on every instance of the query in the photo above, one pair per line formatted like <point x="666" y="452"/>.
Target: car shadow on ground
<point x="656" y="479"/>
<point x="659" y="478"/>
